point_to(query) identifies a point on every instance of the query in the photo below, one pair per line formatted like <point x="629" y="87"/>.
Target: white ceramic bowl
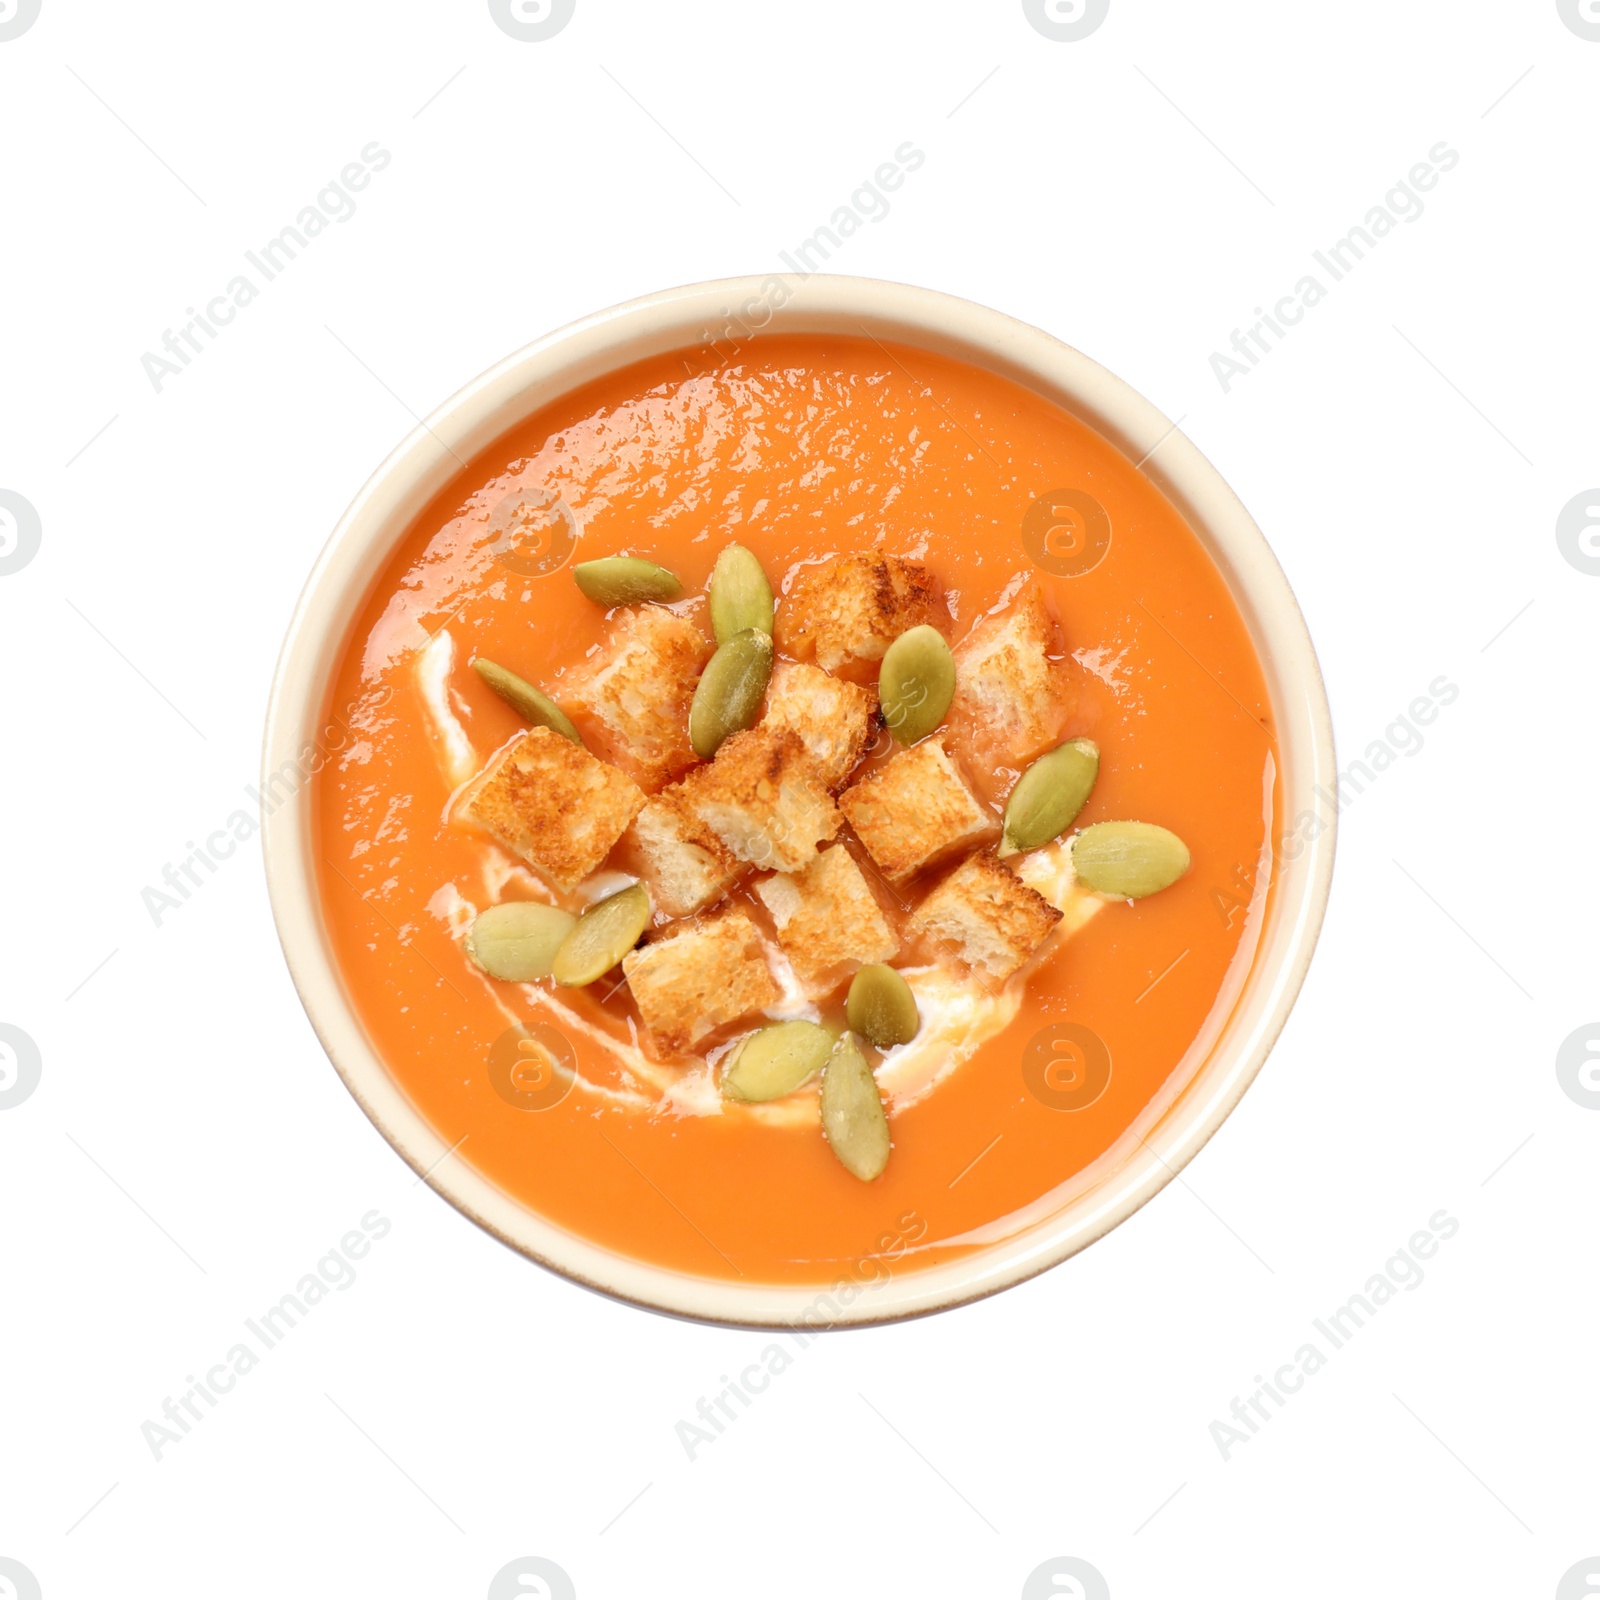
<point x="1193" y="1107"/>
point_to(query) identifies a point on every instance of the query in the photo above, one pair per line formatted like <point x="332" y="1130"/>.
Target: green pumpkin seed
<point x="602" y="936"/>
<point x="881" y="1007"/>
<point x="741" y="597"/>
<point x="538" y="708"/>
<point x="853" y="1121"/>
<point x="1129" y="859"/>
<point x="517" y="941"/>
<point x="776" y="1061"/>
<point x="620" y="580"/>
<point x="916" y="683"/>
<point x="728" y="696"/>
<point x="1049" y="795"/>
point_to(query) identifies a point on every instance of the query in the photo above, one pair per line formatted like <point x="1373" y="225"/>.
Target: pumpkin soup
<point x="800" y="800"/>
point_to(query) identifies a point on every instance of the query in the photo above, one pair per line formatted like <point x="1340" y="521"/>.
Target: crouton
<point x="549" y="801"/>
<point x="986" y="916"/>
<point x="827" y="917"/>
<point x="637" y="688"/>
<point x="763" y="800"/>
<point x="915" y="810"/>
<point x="699" y="977"/>
<point x="685" y="864"/>
<point x="836" y="720"/>
<point x="1011" y="700"/>
<point x="853" y="607"/>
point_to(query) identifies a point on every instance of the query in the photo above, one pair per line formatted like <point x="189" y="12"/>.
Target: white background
<point x="189" y="1154"/>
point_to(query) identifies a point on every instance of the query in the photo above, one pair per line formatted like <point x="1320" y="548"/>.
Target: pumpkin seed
<point x="776" y="1060"/>
<point x="881" y="1007"/>
<point x="1129" y="859"/>
<point x="602" y="936"/>
<point x="728" y="696"/>
<point x="517" y="941"/>
<point x="741" y="597"/>
<point x="538" y="708"/>
<point x="916" y="683"/>
<point x="1049" y="795"/>
<point x="620" y="580"/>
<point x="853" y="1121"/>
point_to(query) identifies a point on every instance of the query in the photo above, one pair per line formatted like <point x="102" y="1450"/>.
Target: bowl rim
<point x="734" y="309"/>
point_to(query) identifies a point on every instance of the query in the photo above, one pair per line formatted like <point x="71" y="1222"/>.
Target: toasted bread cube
<point x="763" y="800"/>
<point x="637" y="688"/>
<point x="987" y="916"/>
<point x="700" y="977"/>
<point x="854" y="607"/>
<point x="827" y="917"/>
<point x="1011" y="698"/>
<point x="685" y="864"/>
<point x="836" y="720"/>
<point x="549" y="801"/>
<point x="916" y="810"/>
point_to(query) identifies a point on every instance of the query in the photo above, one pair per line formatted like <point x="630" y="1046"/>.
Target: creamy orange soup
<point x="800" y="450"/>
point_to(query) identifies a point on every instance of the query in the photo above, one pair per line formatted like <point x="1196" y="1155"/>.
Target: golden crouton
<point x="762" y="798"/>
<point x="853" y="607"/>
<point x="685" y="864"/>
<point x="549" y="801"/>
<point x="987" y="916"/>
<point x="827" y="918"/>
<point x="699" y="977"/>
<point x="1011" y="699"/>
<point x="637" y="688"/>
<point x="835" y="720"/>
<point x="916" y="810"/>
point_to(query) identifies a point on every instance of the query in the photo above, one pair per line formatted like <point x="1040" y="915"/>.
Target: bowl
<point x="1174" y="1127"/>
